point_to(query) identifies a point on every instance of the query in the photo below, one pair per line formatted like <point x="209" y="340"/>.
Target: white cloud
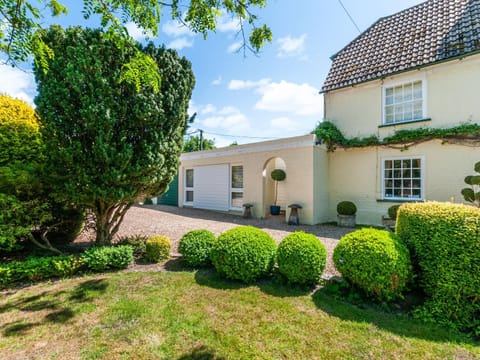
<point x="207" y="109"/>
<point x="175" y="28"/>
<point x="180" y="43"/>
<point x="298" y="99"/>
<point x="292" y="47"/>
<point x="217" y="81"/>
<point x="228" y="120"/>
<point x="226" y="24"/>
<point x="136" y="32"/>
<point x="285" y="124"/>
<point x="17" y="83"/>
<point x="247" y="84"/>
<point x="234" y="47"/>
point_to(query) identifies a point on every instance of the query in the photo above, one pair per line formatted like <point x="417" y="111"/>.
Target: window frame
<point x="394" y="83"/>
<point x="422" y="178"/>
<point x="235" y="190"/>
<point x="187" y="188"/>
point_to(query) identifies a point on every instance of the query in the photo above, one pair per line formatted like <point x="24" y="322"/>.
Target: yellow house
<point x="417" y="69"/>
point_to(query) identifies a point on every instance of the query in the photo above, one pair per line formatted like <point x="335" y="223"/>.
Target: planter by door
<point x="346" y="220"/>
<point x="274" y="210"/>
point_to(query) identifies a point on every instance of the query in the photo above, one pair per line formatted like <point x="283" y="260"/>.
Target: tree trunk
<point x="108" y="220"/>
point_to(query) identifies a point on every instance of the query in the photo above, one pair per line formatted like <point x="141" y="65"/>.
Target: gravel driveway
<point x="174" y="222"/>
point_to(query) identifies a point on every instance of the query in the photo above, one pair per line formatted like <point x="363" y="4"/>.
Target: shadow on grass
<point x="178" y="265"/>
<point x="54" y="302"/>
<point x="398" y="323"/>
<point x="274" y="285"/>
<point x="211" y="278"/>
<point x="201" y="353"/>
<point x="278" y="286"/>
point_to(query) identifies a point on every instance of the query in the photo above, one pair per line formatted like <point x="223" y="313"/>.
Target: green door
<point x="171" y="196"/>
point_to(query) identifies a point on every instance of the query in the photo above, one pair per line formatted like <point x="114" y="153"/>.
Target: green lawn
<point x="197" y="315"/>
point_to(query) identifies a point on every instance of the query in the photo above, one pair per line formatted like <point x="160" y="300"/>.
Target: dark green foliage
<point x="193" y="144"/>
<point x="36" y="269"/>
<point x="444" y="240"/>
<point x="195" y="246"/>
<point x="392" y="211"/>
<point x="472" y="194"/>
<point x="109" y="141"/>
<point x="329" y="134"/>
<point x="375" y="260"/>
<point x="66" y="224"/>
<point x="346" y="208"/>
<point x="108" y="257"/>
<point x="158" y="248"/>
<point x="148" y="201"/>
<point x="301" y="258"/>
<point x="11" y="223"/>
<point x="138" y="244"/>
<point x="244" y="253"/>
<point x="278" y="175"/>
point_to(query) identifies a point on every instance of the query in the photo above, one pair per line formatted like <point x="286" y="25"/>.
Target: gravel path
<point x="173" y="222"/>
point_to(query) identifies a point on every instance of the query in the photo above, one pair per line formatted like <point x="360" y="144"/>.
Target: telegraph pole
<point x="201" y="140"/>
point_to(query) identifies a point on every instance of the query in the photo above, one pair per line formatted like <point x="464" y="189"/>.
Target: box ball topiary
<point x="278" y="174"/>
<point x="377" y="261"/>
<point x="157" y="248"/>
<point x="195" y="247"/>
<point x="244" y="253"/>
<point x="392" y="211"/>
<point x="346" y="208"/>
<point x="301" y="258"/>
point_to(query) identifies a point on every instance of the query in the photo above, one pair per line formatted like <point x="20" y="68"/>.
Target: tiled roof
<point x="433" y="31"/>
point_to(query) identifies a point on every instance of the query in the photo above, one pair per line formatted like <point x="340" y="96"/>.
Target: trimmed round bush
<point x="195" y="246"/>
<point x="392" y="211"/>
<point x="301" y="258"/>
<point x="374" y="260"/>
<point x="346" y="208"/>
<point x="244" y="253"/>
<point x="157" y="248"/>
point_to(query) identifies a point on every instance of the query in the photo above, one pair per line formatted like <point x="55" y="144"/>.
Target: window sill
<point x="400" y="200"/>
<point x="405" y="122"/>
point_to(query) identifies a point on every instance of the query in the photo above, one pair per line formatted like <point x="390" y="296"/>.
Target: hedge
<point x="36" y="269"/>
<point x="444" y="240"/>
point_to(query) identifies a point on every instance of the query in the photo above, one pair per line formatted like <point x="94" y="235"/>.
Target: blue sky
<point x="251" y="98"/>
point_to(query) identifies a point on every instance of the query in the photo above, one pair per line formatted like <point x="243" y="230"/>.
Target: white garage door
<point x="211" y="187"/>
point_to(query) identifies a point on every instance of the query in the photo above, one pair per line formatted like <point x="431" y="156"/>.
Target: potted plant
<point x="389" y="222"/>
<point x="276" y="175"/>
<point x="346" y="214"/>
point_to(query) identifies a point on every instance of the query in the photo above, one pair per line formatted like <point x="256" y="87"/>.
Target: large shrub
<point x="445" y="243"/>
<point x="36" y="269"/>
<point x="158" y="248"/>
<point x="244" y="253"/>
<point x="195" y="246"/>
<point x="108" y="257"/>
<point x="20" y="157"/>
<point x="301" y="258"/>
<point x="374" y="260"/>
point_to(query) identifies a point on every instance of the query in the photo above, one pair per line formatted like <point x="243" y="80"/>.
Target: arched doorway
<point x="269" y="185"/>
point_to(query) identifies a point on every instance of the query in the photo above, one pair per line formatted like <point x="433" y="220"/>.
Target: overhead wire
<point x="350" y="16"/>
